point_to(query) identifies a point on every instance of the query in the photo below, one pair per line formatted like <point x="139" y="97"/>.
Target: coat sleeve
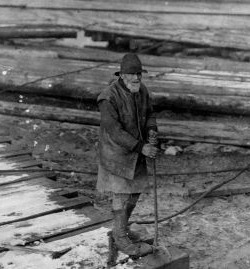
<point x="110" y="121"/>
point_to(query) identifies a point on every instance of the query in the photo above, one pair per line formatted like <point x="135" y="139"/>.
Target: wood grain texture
<point x="213" y="30"/>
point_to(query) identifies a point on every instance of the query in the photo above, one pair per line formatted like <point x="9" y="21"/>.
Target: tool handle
<point x="153" y="141"/>
<point x="155" y="205"/>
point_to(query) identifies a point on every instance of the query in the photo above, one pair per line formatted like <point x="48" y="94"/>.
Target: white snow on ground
<point x="6" y="165"/>
<point x="89" y="251"/>
<point x="9" y="178"/>
<point x="21" y="203"/>
<point x="42" y="226"/>
<point x="3" y="146"/>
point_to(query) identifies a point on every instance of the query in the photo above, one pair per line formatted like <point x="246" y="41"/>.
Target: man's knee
<point x="120" y="201"/>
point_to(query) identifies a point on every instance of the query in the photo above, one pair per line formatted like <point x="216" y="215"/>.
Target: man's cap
<point x="130" y="64"/>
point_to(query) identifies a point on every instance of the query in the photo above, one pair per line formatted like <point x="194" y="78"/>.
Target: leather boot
<point x="122" y="241"/>
<point x="133" y="236"/>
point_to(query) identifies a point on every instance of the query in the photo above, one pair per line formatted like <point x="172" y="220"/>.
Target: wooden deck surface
<point x="34" y="207"/>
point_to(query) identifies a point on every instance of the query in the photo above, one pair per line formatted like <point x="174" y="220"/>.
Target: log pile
<point x="168" y="36"/>
<point x="219" y="25"/>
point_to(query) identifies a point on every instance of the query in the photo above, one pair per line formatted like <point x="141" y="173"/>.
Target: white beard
<point x="134" y="87"/>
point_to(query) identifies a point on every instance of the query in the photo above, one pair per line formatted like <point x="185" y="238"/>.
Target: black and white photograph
<point x="124" y="134"/>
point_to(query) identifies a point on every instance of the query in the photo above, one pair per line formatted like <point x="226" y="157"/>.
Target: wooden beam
<point x="5" y="139"/>
<point x="212" y="30"/>
<point x="50" y="113"/>
<point x="195" y="131"/>
<point x="29" y="250"/>
<point x="8" y="180"/>
<point x="36" y="31"/>
<point x="60" y="228"/>
<point x="204" y="131"/>
<point x="64" y="205"/>
<point x="14" y="153"/>
<point x="182" y="7"/>
<point x="26" y="48"/>
<point x="207" y="90"/>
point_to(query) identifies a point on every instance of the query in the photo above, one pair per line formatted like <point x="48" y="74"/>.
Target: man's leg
<point x="120" y="228"/>
<point x="133" y="199"/>
<point x="122" y="241"/>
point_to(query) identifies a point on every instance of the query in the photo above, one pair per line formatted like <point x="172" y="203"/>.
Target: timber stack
<point x="196" y="53"/>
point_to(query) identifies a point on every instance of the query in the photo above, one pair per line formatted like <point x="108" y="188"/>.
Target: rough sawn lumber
<point x="207" y="90"/>
<point x="209" y="132"/>
<point x="192" y="7"/>
<point x="36" y="31"/>
<point x="203" y="29"/>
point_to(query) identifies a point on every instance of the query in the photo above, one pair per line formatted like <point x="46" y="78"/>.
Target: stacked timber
<point x="212" y="85"/>
<point x="162" y="33"/>
<point x="223" y="25"/>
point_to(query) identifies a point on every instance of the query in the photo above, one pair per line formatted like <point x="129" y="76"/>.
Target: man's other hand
<point x="149" y="151"/>
<point x="152" y="137"/>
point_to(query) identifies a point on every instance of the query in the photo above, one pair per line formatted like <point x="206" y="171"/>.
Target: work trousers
<point x="121" y="201"/>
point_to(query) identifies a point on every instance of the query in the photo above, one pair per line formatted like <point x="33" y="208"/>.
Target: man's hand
<point x="149" y="151"/>
<point x="152" y="137"/>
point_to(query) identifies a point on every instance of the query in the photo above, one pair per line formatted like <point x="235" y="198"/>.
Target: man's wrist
<point x="139" y="146"/>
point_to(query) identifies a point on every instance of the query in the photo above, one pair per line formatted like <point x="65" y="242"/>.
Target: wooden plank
<point x="51" y="207"/>
<point x="17" y="159"/>
<point x="239" y="186"/>
<point x="31" y="186"/>
<point x="26" y="164"/>
<point x="88" y="240"/>
<point x="49" y="113"/>
<point x="199" y="131"/>
<point x="219" y="91"/>
<point x="36" y="31"/>
<point x="6" y="179"/>
<point x="52" y="225"/>
<point x="236" y="190"/>
<point x="5" y="139"/>
<point x="29" y="250"/>
<point x="3" y="146"/>
<point x="183" y="7"/>
<point x="28" y="49"/>
<point x="14" y="153"/>
<point x="204" y="131"/>
<point x="8" y="165"/>
<point x="211" y="30"/>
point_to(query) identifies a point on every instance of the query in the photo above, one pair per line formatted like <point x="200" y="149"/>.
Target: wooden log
<point x="36" y="31"/>
<point x="50" y="113"/>
<point x="34" y="49"/>
<point x="219" y="91"/>
<point x="195" y="131"/>
<point x="183" y="7"/>
<point x="204" y="131"/>
<point x="212" y="30"/>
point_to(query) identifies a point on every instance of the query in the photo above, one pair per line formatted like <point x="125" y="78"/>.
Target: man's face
<point x="132" y="81"/>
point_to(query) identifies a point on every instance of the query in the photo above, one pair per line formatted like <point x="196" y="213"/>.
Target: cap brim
<point x="118" y="72"/>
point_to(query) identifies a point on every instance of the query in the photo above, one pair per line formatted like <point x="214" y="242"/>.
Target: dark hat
<point x="130" y="64"/>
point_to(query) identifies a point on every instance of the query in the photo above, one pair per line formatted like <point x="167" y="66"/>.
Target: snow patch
<point x="41" y="226"/>
<point x="89" y="250"/>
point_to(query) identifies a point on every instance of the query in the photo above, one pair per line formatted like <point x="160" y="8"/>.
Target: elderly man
<point x="126" y="120"/>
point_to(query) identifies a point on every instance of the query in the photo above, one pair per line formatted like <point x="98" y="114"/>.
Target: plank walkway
<point x="34" y="207"/>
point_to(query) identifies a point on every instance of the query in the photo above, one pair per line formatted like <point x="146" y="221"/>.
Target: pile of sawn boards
<point x="203" y="83"/>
